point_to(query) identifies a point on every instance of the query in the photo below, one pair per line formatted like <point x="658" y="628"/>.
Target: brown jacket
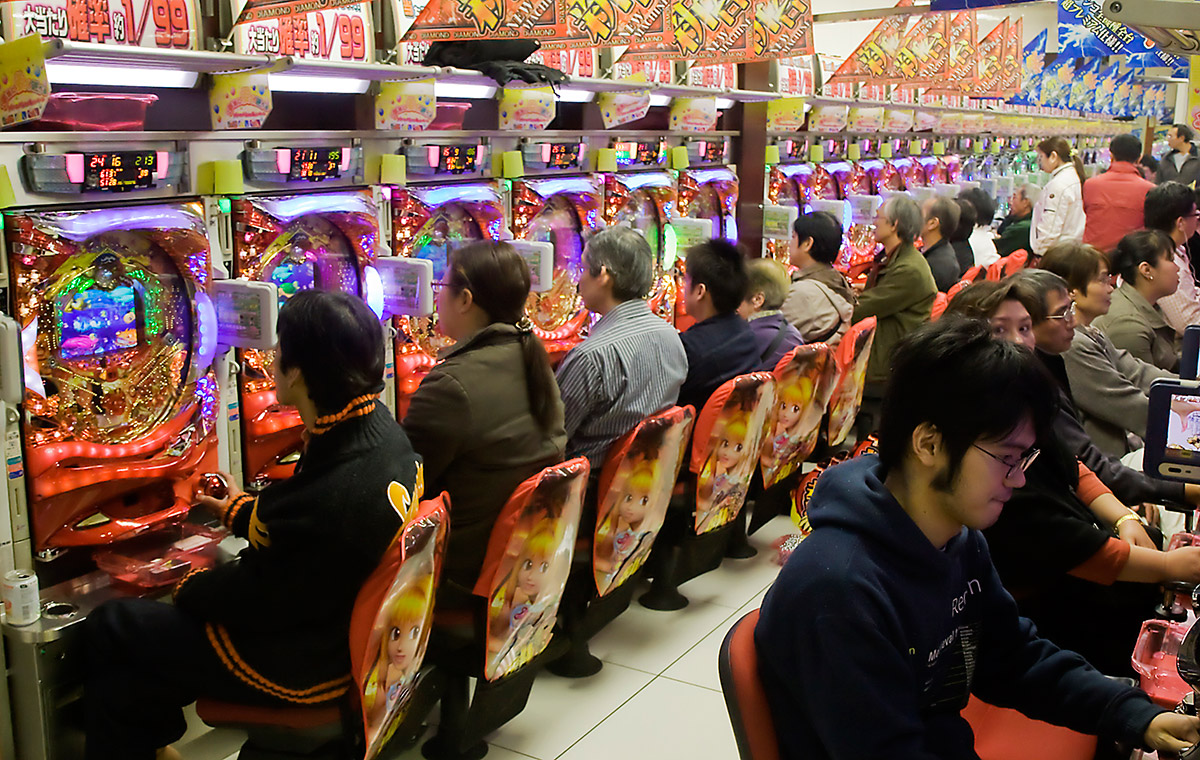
<point x="470" y="422"/>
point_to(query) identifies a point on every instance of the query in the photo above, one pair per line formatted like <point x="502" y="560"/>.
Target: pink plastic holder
<point x="1183" y="539"/>
<point x="450" y="116"/>
<point x="163" y="557"/>
<point x="1154" y="658"/>
<point x="96" y="112"/>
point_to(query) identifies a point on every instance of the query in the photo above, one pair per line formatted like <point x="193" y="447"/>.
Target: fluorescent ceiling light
<point x="285" y="82"/>
<point x="660" y="100"/>
<point x="568" y="95"/>
<point x="458" y="90"/>
<point x="118" y="76"/>
<point x="724" y="103"/>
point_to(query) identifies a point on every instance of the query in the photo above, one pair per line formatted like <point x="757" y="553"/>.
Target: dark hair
<point x="1138" y="247"/>
<point x="1077" y="263"/>
<point x="825" y="231"/>
<point x="336" y="341"/>
<point x="626" y="256"/>
<point x="1184" y="131"/>
<point x="498" y="279"/>
<point x="1150" y="162"/>
<point x="946" y="212"/>
<point x="966" y="220"/>
<point x="985" y="207"/>
<point x="1052" y="145"/>
<point x="940" y="373"/>
<point x="1031" y="286"/>
<point x="968" y="302"/>
<point x="1125" y="148"/>
<point x="720" y="267"/>
<point x="1167" y="202"/>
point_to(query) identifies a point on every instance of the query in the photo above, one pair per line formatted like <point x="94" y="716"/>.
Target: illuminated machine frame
<point x="119" y="423"/>
<point x="325" y="240"/>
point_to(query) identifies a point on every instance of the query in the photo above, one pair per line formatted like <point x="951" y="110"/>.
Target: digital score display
<point x="639" y="153"/>
<point x="315" y="164"/>
<point x="563" y="156"/>
<point x="713" y="151"/>
<point x="457" y="159"/>
<point x="118" y="172"/>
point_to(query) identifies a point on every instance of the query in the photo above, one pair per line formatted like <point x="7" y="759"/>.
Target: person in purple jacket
<point x="766" y="290"/>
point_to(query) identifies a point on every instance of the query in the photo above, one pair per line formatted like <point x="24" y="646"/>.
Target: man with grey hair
<point x="1014" y="230"/>
<point x="941" y="220"/>
<point x="899" y="293"/>
<point x="632" y="363"/>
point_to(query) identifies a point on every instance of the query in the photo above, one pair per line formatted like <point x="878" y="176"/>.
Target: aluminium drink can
<point x="22" y="602"/>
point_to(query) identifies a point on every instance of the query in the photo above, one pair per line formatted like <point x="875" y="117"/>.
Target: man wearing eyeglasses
<point x="1171" y="208"/>
<point x="890" y="614"/>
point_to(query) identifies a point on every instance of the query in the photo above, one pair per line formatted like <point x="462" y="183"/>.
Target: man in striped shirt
<point x="632" y="363"/>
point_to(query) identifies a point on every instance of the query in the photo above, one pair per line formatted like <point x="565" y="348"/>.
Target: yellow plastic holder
<point x="680" y="158"/>
<point x="513" y="162"/>
<point x="393" y="170"/>
<point x="606" y="160"/>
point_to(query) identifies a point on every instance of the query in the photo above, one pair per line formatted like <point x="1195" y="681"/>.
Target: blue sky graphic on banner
<point x="1056" y="82"/>
<point x="1083" y="85"/>
<point x="965" y="5"/>
<point x="1124" y="90"/>
<point x="1084" y="31"/>
<point x="1106" y="87"/>
<point x="1033" y="60"/>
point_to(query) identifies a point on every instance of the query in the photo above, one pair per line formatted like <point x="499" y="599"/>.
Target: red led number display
<point x="126" y="170"/>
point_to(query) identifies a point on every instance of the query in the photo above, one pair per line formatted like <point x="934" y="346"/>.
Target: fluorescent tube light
<point x="118" y="76"/>
<point x="285" y="82"/>
<point x="459" y="90"/>
<point x="568" y="95"/>
<point x="724" y="103"/>
<point x="660" y="100"/>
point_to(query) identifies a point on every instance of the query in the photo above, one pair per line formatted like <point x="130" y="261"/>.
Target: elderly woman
<point x="767" y="287"/>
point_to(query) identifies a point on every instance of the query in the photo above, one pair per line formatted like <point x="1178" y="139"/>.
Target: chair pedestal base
<point x="578" y="662"/>
<point x="438" y="748"/>
<point x="739" y="544"/>
<point x="664" y="593"/>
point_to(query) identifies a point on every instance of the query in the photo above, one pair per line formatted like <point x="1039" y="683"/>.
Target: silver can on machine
<point x="22" y="601"/>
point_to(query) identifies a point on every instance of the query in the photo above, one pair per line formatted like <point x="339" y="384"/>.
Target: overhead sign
<point x="330" y="30"/>
<point x="962" y="5"/>
<point x="1083" y="30"/>
<point x="142" y="23"/>
<point x="874" y="56"/>
<point x="1033" y="64"/>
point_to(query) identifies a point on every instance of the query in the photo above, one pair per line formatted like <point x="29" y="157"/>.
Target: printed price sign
<point x="143" y="23"/>
<point x="24" y="89"/>
<point x="340" y="31"/>
<point x="778" y="221"/>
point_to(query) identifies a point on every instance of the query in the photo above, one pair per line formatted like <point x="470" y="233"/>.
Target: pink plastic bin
<point x="96" y="112"/>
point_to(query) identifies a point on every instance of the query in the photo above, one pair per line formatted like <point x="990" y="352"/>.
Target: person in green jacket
<point x="899" y="293"/>
<point x="1014" y="230"/>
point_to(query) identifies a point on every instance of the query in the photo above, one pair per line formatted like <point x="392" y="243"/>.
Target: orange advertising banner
<point x="1010" y="82"/>
<point x="992" y="49"/>
<point x="731" y="31"/>
<point x="963" y="72"/>
<point x="875" y="55"/>
<point x="925" y="53"/>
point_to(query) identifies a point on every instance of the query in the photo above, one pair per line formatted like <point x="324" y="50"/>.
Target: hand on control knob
<point x="217" y="492"/>
<point x="1172" y="732"/>
<point x="1183" y="564"/>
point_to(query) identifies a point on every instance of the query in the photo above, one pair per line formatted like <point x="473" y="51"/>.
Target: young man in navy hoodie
<point x="890" y="614"/>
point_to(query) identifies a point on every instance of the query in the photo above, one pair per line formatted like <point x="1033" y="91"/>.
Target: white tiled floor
<point x="658" y="691"/>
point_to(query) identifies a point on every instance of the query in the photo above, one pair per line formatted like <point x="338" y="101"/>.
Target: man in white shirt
<point x="1171" y="208"/>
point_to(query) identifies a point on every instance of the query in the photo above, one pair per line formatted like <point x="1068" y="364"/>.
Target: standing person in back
<point x="899" y="293"/>
<point x="767" y="287"/>
<point x="941" y="220"/>
<point x="983" y="241"/>
<point x="1115" y="200"/>
<point x="632" y="363"/>
<point x="820" y="301"/>
<point x="961" y="239"/>
<point x="1058" y="213"/>
<point x="488" y="415"/>
<point x="1134" y="321"/>
<point x="1182" y="164"/>
<point x="1014" y="230"/>
<point x="721" y="345"/>
<point x="1171" y="209"/>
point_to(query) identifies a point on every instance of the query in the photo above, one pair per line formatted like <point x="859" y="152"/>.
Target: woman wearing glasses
<point x="1110" y="385"/>
<point x="1145" y="260"/>
<point x="1063" y="542"/>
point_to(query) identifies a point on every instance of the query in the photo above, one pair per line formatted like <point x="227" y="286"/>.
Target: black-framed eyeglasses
<point x="1067" y="316"/>
<point x="1021" y="465"/>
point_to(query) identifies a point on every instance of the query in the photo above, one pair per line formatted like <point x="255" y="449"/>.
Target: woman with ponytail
<point x="1058" y="215"/>
<point x="1135" y="322"/>
<point x="488" y="415"/>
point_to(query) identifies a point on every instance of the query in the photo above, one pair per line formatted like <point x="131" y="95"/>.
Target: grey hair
<point x="625" y="254"/>
<point x="905" y="213"/>
<point x="1031" y="192"/>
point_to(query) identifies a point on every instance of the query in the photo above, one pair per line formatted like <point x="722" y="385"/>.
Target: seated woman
<point x="1145" y="259"/>
<point x="273" y="626"/>
<point x="488" y="415"/>
<point x="766" y="287"/>
<point x="1110" y="385"/>
<point x="1064" y="542"/>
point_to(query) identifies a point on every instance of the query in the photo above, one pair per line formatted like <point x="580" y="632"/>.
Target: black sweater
<point x="279" y="616"/>
<point x="871" y="639"/>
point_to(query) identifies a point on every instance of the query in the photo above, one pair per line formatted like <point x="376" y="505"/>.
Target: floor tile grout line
<point x="689" y="683"/>
<point x="653" y="678"/>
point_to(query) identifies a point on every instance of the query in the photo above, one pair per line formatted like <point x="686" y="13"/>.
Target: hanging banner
<point x="782" y="28"/>
<point x="962" y="72"/>
<point x="961" y="5"/>
<point x="557" y="24"/>
<point x="1010" y="81"/>
<point x="1084" y="31"/>
<point x="1056" y="82"/>
<point x="1083" y="85"/>
<point x="925" y="53"/>
<point x="142" y="23"/>
<point x="1106" y="87"/>
<point x="1120" y="105"/>
<point x="404" y="13"/>
<point x="1033" y="64"/>
<point x="991" y="62"/>
<point x="328" y="30"/>
<point x="875" y="55"/>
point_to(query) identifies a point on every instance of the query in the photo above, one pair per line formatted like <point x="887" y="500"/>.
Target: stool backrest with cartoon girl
<point x="851" y="356"/>
<point x="804" y="381"/>
<point x="392" y="619"/>
<point x="635" y="491"/>
<point x="726" y="444"/>
<point x="526" y="566"/>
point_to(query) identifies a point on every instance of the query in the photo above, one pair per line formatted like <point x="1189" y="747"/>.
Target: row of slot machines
<point x="142" y="295"/>
<point x="851" y="178"/>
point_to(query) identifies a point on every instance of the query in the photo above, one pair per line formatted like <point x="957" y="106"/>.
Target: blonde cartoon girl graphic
<point x="404" y="628"/>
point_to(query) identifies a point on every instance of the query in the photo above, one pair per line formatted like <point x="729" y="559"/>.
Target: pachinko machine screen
<point x="96" y="321"/>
